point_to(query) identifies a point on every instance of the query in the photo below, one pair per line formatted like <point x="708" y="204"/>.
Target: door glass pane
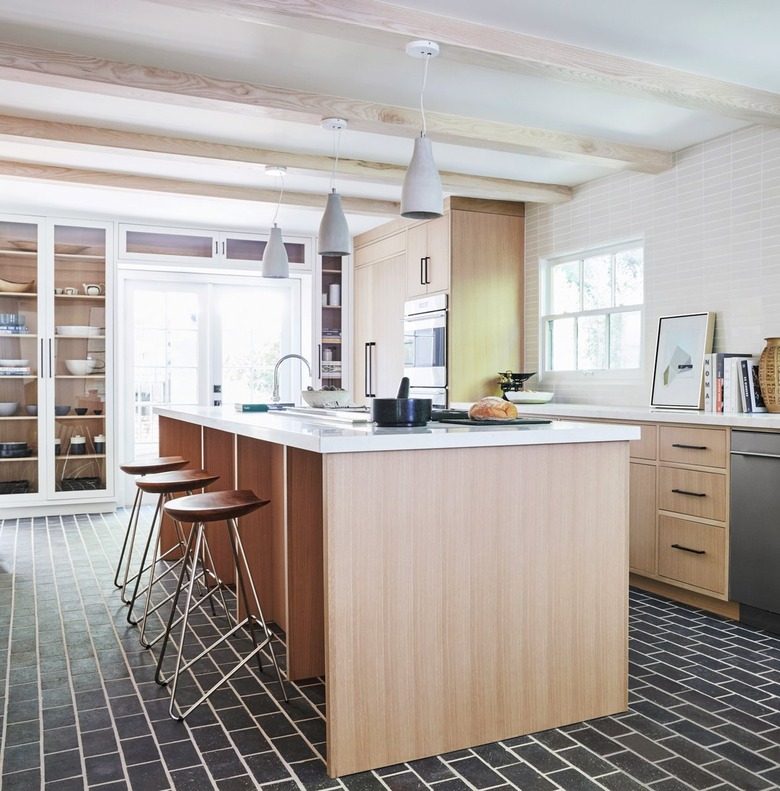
<point x="591" y="342"/>
<point x="165" y="358"/>
<point x="19" y="358"/>
<point x="255" y="333"/>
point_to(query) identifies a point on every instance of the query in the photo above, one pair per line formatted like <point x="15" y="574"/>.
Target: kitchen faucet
<point x="275" y="397"/>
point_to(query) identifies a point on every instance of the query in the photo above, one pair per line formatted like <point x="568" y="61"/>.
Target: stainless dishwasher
<point x="754" y="553"/>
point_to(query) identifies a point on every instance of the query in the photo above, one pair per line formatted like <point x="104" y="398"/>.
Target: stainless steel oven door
<point x="425" y="349"/>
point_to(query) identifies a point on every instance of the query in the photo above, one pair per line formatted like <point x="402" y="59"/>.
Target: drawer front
<point x="705" y="447"/>
<point x="692" y="493"/>
<point x="646" y="446"/>
<point x="693" y="553"/>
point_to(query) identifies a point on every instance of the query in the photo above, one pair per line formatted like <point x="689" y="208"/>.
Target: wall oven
<point x="425" y="348"/>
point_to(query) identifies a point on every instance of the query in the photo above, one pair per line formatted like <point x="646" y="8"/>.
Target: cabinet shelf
<point x="62" y="458"/>
<point x="20" y="294"/>
<point x="5" y="460"/>
<point x="80" y="297"/>
<point x="328" y="341"/>
<point x="20" y="377"/>
<point x="86" y="376"/>
<point x="6" y="334"/>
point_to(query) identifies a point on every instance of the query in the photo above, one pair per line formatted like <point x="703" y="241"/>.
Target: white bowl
<point x="8" y="408"/>
<point x="14" y="363"/>
<point x="529" y="397"/>
<point x="80" y="367"/>
<point x="324" y="399"/>
<point x="74" y="329"/>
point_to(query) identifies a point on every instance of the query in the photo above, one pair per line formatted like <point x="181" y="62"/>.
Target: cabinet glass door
<point x="78" y="359"/>
<point x="20" y="355"/>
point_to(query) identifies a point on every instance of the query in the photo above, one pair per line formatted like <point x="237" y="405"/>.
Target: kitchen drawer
<point x="704" y="447"/>
<point x="646" y="446"/>
<point x="693" y="553"/>
<point x="692" y="493"/>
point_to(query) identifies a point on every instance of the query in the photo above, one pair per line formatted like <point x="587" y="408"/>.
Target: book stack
<point x="731" y="383"/>
<point x="15" y="370"/>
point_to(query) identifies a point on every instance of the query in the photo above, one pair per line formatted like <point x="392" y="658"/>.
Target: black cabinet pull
<point x="691" y="494"/>
<point x="689" y="447"/>
<point x="427" y="279"/>
<point x="369" y="369"/>
<point x="688" y="549"/>
<point x="422" y="271"/>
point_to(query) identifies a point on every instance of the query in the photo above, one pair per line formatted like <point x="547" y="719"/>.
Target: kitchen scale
<point x="513" y="389"/>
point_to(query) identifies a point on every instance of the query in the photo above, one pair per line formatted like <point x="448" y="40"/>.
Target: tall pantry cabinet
<point x="474" y="254"/>
<point x="56" y="435"/>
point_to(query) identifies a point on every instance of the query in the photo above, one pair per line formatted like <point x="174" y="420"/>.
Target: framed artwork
<point x="682" y="343"/>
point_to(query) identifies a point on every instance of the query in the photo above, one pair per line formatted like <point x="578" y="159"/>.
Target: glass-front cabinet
<point x="331" y="358"/>
<point x="55" y="410"/>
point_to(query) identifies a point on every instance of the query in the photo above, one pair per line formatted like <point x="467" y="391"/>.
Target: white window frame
<point x="546" y="266"/>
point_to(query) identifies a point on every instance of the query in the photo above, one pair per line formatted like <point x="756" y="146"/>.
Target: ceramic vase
<point x="769" y="374"/>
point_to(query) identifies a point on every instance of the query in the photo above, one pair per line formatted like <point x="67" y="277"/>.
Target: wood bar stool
<point x="139" y="467"/>
<point x="165" y="485"/>
<point x="201" y="509"/>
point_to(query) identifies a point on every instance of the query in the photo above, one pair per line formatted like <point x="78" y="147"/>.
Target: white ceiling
<point x="720" y="39"/>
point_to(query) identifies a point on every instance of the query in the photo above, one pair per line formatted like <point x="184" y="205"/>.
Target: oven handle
<point x="368" y="368"/>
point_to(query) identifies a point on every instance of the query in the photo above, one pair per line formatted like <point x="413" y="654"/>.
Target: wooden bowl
<point x="12" y="285"/>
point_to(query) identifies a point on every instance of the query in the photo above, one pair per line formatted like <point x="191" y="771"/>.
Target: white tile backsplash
<point x="711" y="227"/>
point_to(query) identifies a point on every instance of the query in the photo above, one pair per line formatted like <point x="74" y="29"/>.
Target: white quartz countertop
<point x="754" y="420"/>
<point x="322" y="436"/>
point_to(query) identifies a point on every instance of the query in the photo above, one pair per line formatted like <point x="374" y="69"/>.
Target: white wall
<point x="711" y="227"/>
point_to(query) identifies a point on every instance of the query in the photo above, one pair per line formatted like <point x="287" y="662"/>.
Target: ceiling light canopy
<point x="421" y="195"/>
<point x="333" y="238"/>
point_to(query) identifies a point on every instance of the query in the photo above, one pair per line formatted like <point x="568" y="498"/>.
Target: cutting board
<point x="518" y="421"/>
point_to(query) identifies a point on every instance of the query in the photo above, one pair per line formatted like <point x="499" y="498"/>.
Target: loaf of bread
<point x="493" y="408"/>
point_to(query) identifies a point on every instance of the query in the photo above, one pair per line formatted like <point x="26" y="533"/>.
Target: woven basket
<point x="769" y="374"/>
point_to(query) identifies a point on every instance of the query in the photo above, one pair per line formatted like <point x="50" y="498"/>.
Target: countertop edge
<point x="321" y="436"/>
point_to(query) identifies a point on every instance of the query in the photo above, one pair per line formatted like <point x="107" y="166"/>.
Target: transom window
<point x="592" y="309"/>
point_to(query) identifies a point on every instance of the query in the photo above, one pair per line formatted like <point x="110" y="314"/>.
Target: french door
<point x="188" y="342"/>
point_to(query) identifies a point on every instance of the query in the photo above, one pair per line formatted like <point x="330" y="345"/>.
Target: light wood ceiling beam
<point x="15" y="128"/>
<point x="99" y="76"/>
<point x="99" y="178"/>
<point x="383" y="24"/>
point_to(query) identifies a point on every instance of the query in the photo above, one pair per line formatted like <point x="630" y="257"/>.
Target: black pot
<point x="401" y="411"/>
<point x="406" y="412"/>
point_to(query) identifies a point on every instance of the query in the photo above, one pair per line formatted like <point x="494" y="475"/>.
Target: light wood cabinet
<point x="378" y="331"/>
<point x="642" y="517"/>
<point x="428" y="257"/>
<point x="481" y="243"/>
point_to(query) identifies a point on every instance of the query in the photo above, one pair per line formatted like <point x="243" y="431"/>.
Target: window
<point x="592" y="310"/>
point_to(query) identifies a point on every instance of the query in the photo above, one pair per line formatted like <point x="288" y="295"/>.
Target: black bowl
<point x="401" y="412"/>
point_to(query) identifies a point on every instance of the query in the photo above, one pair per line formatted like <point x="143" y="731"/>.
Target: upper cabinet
<point x="428" y="257"/>
<point x="331" y="361"/>
<point x="203" y="248"/>
<point x="56" y="437"/>
<point x="474" y="253"/>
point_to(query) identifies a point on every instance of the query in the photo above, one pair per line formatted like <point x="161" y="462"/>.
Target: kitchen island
<point x="454" y="585"/>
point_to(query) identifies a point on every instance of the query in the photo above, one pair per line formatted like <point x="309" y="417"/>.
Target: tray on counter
<point x="517" y="421"/>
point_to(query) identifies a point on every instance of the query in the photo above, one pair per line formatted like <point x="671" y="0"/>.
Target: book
<point x="709" y="389"/>
<point x="732" y="383"/>
<point x="718" y="360"/>
<point x="751" y="387"/>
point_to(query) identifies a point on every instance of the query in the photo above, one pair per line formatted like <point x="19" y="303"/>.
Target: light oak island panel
<point x="494" y="605"/>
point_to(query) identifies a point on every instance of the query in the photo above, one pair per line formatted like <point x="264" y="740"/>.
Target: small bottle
<point x="327" y="354"/>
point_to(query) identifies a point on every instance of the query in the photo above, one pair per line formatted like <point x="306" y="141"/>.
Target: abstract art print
<point x="683" y="341"/>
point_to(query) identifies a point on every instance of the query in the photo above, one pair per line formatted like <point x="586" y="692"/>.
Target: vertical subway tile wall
<point x="711" y="228"/>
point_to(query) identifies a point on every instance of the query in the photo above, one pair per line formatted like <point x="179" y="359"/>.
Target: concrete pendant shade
<point x="275" y="261"/>
<point x="333" y="238"/>
<point x="421" y="196"/>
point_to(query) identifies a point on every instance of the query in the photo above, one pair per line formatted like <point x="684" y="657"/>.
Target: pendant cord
<point x="422" y="92"/>
<point x="336" y="147"/>
<point x="281" y="195"/>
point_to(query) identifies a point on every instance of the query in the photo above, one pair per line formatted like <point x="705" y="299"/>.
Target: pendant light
<point x="275" y="261"/>
<point x="333" y="238"/>
<point x="421" y="195"/>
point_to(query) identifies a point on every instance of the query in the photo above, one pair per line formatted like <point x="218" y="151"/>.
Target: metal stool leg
<point x="127" y="544"/>
<point x="253" y="620"/>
